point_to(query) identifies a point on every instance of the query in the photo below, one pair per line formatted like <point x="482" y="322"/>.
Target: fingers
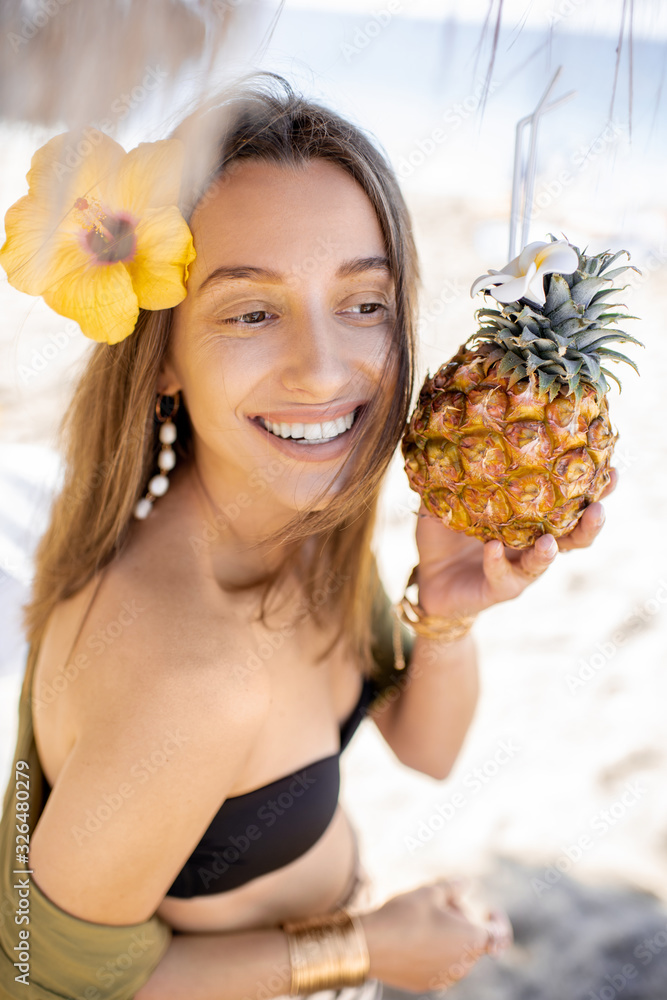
<point x="501" y="571"/>
<point x="535" y="560"/>
<point x="611" y="485"/>
<point x="455" y="889"/>
<point x="586" y="530"/>
<point x="499" y="933"/>
<point x="451" y="890"/>
<point x="591" y="521"/>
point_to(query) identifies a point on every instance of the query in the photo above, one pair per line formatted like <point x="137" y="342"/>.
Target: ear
<point x="167" y="380"/>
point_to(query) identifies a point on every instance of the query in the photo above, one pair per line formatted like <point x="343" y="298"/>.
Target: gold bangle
<point x="438" y="627"/>
<point x="327" y="952"/>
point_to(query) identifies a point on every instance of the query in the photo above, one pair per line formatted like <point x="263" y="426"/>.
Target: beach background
<point x="557" y="804"/>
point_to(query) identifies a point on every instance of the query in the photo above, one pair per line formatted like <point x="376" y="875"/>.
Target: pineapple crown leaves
<point x="563" y="343"/>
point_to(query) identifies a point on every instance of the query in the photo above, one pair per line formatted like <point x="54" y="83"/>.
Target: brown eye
<point x="368" y="308"/>
<point x="248" y="319"/>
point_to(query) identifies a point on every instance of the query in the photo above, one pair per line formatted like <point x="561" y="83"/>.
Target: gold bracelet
<point x="443" y="629"/>
<point x="327" y="952"/>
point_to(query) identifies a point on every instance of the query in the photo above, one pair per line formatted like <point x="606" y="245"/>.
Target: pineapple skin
<point x="500" y="461"/>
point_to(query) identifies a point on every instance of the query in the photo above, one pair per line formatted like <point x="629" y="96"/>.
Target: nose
<point x="319" y="359"/>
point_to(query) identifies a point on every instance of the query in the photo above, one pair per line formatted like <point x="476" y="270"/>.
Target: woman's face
<point x="284" y="332"/>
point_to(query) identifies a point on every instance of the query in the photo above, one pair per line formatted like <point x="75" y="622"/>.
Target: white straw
<point x="522" y="201"/>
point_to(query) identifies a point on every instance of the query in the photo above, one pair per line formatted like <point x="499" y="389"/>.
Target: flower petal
<point x="529" y="253"/>
<point x="514" y="267"/>
<point x="558" y="256"/>
<point x="535" y="289"/>
<point x="73" y="165"/>
<point x="165" y="251"/>
<point x="149" y="177"/>
<point x="492" y="278"/>
<point x="513" y="289"/>
<point x="31" y="254"/>
<point x="38" y="225"/>
<point x="100" y="299"/>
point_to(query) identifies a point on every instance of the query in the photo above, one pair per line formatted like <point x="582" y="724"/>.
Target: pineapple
<point x="511" y="438"/>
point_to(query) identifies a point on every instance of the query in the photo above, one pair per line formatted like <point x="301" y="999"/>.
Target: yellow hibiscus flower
<point x="102" y="239"/>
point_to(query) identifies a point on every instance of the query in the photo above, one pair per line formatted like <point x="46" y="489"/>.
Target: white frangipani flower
<point x="523" y="277"/>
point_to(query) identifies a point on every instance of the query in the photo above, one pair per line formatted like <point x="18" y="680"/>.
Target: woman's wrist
<point x="420" y="613"/>
<point x="370" y="923"/>
<point x="327" y="951"/>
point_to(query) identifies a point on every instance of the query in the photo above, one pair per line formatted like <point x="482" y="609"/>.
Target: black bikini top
<point x="266" y="828"/>
<point x="269" y="827"/>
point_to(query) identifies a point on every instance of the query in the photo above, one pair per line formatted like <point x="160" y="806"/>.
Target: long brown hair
<point x="109" y="432"/>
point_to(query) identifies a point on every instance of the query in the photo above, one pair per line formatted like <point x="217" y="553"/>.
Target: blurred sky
<point x="413" y="72"/>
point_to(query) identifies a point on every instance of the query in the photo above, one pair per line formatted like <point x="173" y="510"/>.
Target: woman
<point x="225" y="632"/>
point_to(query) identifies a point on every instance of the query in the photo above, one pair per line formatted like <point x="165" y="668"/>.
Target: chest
<point x="310" y="697"/>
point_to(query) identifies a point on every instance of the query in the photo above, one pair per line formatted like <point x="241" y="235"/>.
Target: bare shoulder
<point x="164" y="722"/>
<point x="159" y="635"/>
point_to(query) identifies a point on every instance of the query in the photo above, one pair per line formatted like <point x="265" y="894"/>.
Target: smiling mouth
<point x="313" y="433"/>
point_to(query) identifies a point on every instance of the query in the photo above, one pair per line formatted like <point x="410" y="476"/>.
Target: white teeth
<point x="324" y="431"/>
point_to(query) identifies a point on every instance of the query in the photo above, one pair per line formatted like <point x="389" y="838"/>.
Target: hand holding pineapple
<point x="460" y="575"/>
<point x="511" y="442"/>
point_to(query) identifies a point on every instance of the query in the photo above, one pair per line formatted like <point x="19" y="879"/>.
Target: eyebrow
<point x="246" y="272"/>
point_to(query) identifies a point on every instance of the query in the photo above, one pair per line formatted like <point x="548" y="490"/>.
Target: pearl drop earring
<point x="166" y="460"/>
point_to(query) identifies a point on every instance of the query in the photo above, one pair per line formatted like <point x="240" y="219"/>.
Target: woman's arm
<point x="427" y="724"/>
<point x="428" y="716"/>
<point x="417" y="941"/>
<point x="157" y="749"/>
<point x="221" y="967"/>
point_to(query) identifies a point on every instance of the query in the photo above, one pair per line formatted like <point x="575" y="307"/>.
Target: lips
<point x="325" y="430"/>
<point x="309" y="450"/>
